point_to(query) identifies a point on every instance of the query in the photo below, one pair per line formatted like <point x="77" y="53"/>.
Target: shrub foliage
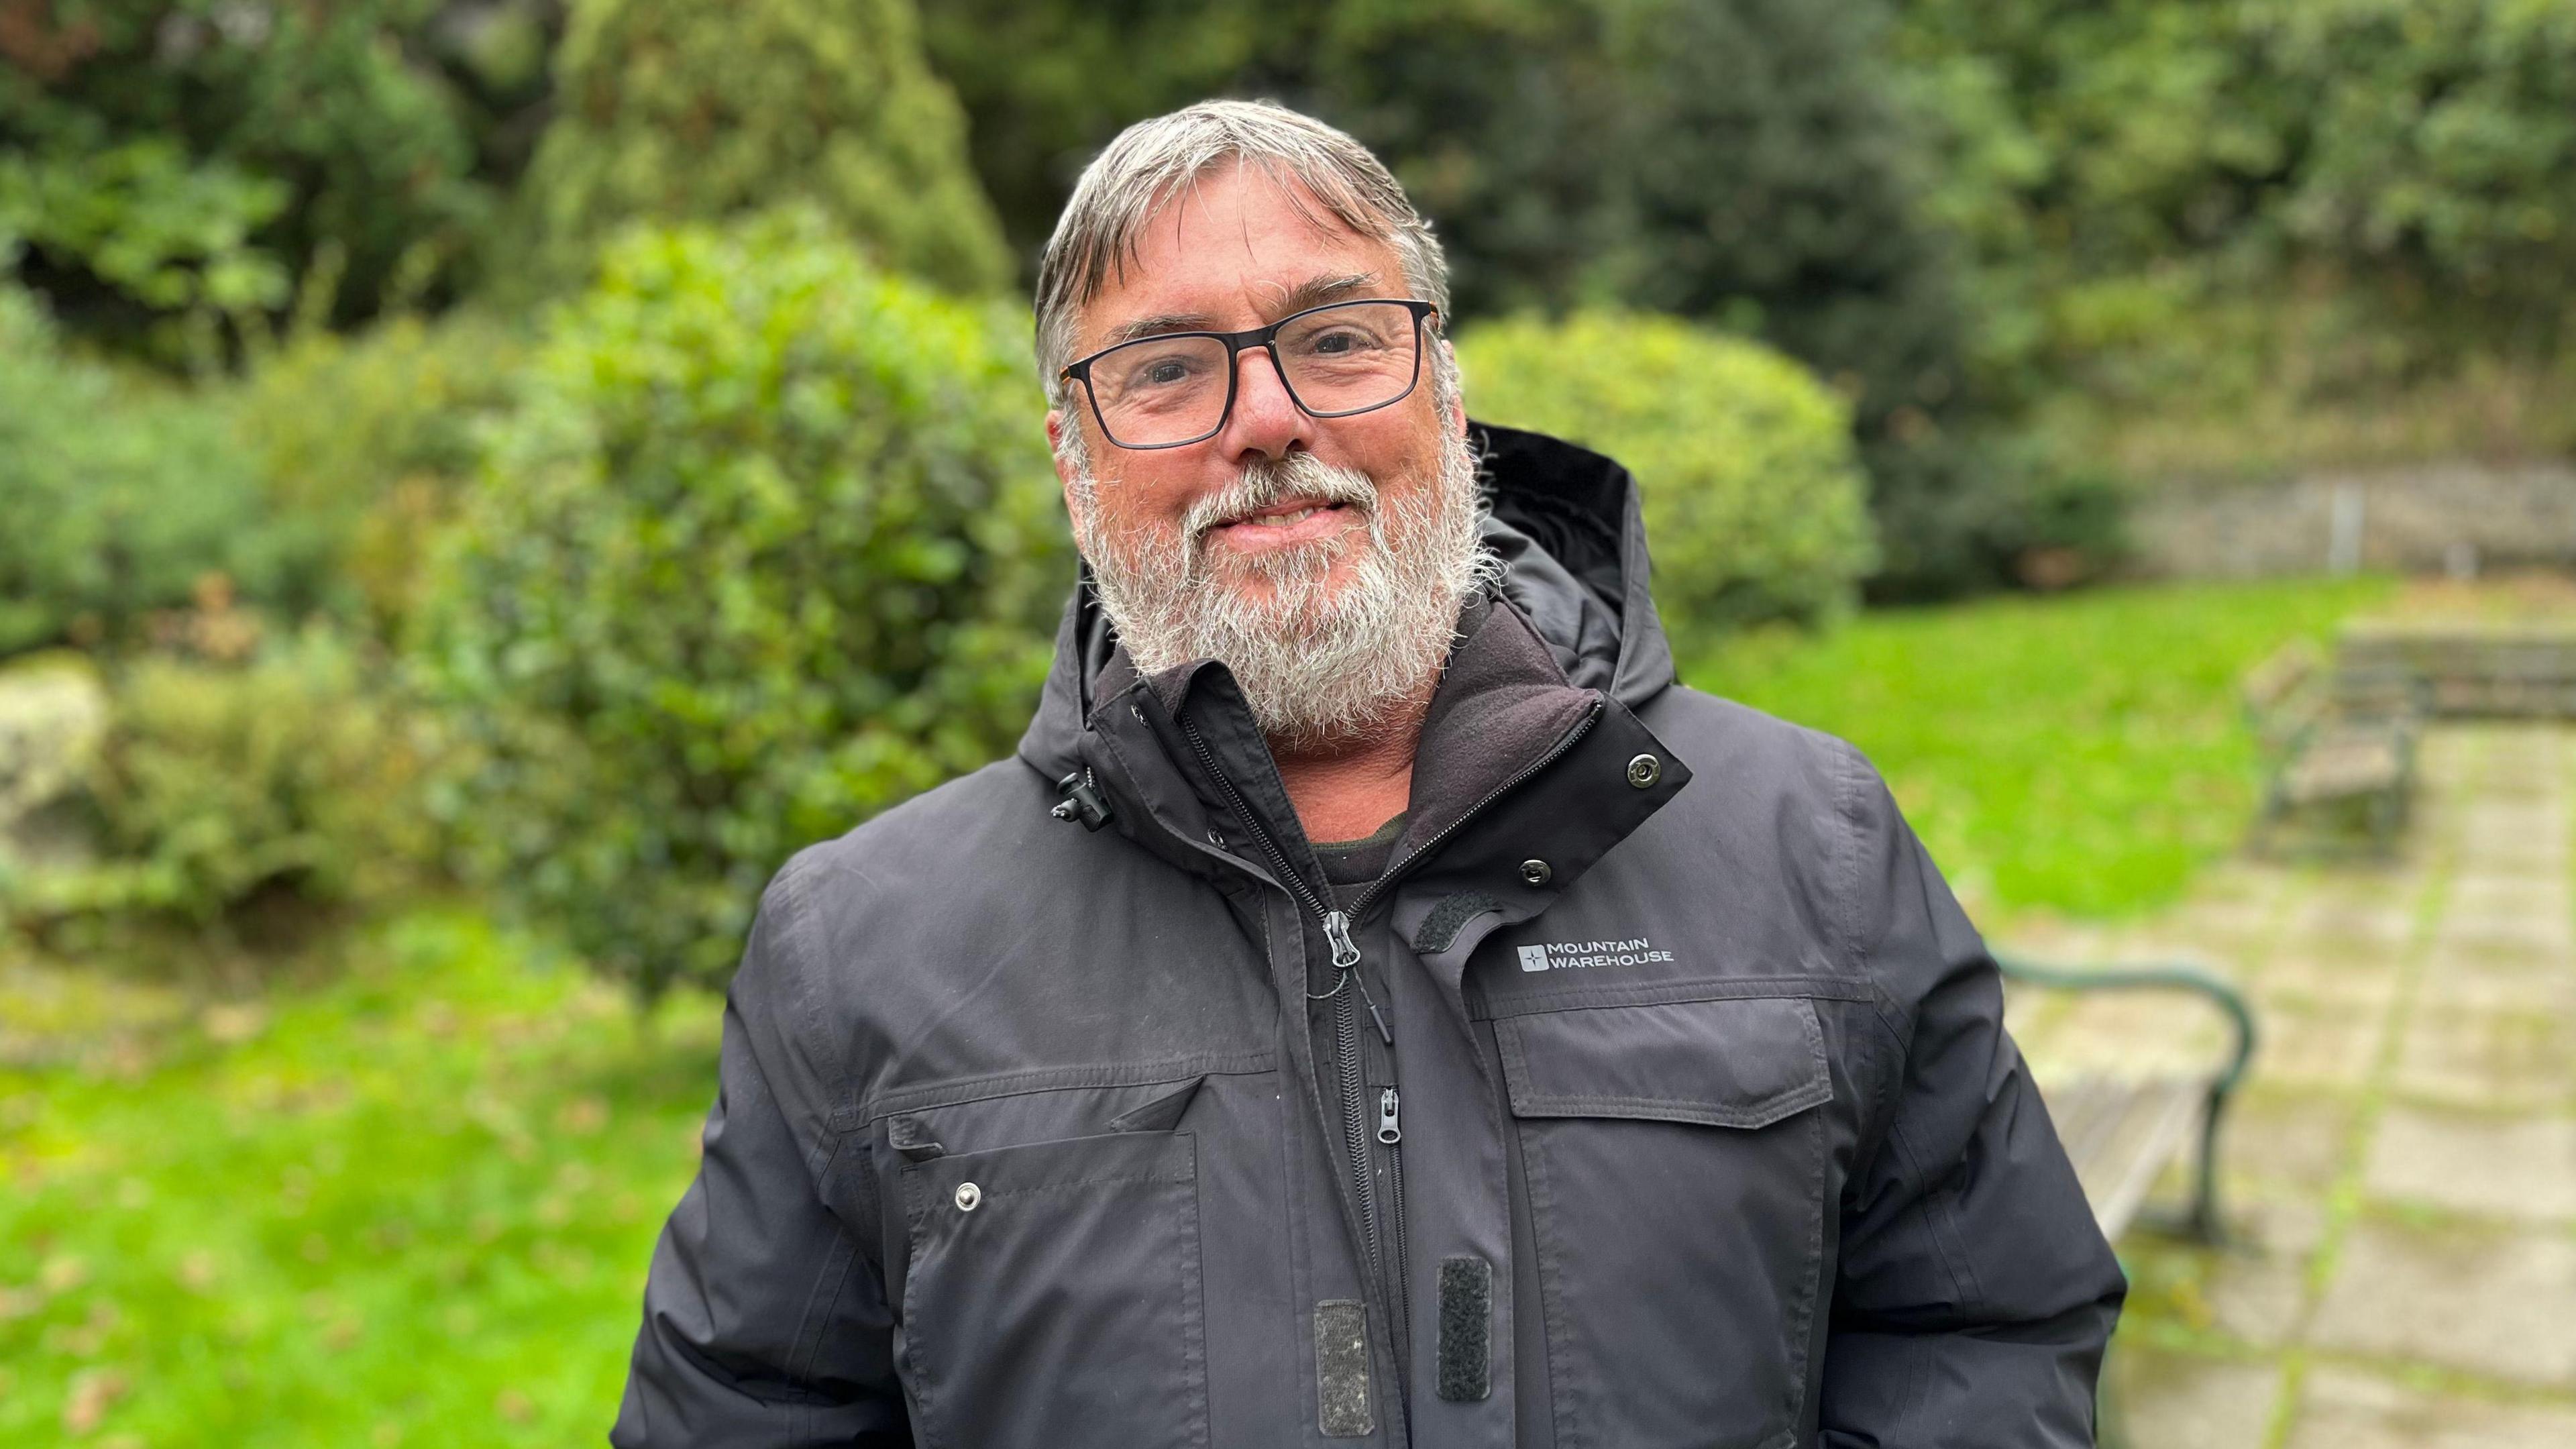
<point x="218" y="787"/>
<point x="370" y="439"/>
<point x="1755" y="504"/>
<point x="771" y="544"/>
<point x="118" y="496"/>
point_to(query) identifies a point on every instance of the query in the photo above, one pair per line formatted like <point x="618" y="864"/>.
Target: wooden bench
<point x="2123" y="1132"/>
<point x="2490" y="668"/>
<point x="2334" y="738"/>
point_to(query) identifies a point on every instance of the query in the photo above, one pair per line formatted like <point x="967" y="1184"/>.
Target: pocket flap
<point x="1160" y="1113"/>
<point x="1052" y="1167"/>
<point x="1739" y="1062"/>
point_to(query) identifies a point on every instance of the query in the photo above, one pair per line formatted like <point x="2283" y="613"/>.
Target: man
<point x="1379" y="1004"/>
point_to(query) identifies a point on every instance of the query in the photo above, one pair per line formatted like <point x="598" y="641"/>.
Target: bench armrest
<point x="2174" y="977"/>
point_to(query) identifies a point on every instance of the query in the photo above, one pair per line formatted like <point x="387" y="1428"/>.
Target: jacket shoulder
<point x="1805" y="813"/>
<point x="977" y="820"/>
<point x="1750" y="750"/>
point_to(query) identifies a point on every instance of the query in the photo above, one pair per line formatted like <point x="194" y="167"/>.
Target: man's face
<point x="1234" y="253"/>
<point x="1281" y="543"/>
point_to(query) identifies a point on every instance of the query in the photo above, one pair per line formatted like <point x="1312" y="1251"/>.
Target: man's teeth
<point x="1281" y="520"/>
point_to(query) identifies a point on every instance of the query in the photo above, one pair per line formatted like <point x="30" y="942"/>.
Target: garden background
<point x="482" y="481"/>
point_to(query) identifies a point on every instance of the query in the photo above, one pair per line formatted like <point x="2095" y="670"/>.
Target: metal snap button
<point x="1536" y="872"/>
<point x="1644" y="771"/>
<point x="968" y="1197"/>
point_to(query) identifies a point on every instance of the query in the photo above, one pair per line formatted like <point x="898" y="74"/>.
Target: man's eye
<point x="1172" y="369"/>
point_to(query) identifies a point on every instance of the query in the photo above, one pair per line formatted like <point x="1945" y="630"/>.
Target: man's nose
<point x="1266" y="420"/>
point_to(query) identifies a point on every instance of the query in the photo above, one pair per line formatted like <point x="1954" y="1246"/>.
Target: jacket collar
<point x="1539" y="763"/>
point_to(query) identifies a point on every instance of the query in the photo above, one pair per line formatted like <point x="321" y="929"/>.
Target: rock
<point x="53" y="718"/>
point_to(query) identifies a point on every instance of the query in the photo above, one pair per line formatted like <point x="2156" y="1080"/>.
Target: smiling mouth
<point x="1283" y="514"/>
<point x="1286" y="522"/>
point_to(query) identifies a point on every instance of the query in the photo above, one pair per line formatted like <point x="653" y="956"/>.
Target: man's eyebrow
<point x="1317" y="291"/>
<point x="1313" y="293"/>
<point x="1159" y="323"/>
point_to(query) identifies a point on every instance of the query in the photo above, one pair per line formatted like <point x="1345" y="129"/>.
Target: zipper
<point x="1346" y="1033"/>
<point x="1390" y="1135"/>
<point x="1346" y="1026"/>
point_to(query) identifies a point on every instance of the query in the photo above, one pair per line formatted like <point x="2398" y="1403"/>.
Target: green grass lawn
<point x="413" y="1205"/>
<point x="2081" y="754"/>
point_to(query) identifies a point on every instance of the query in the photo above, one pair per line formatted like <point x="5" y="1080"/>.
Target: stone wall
<point x="2423" y="519"/>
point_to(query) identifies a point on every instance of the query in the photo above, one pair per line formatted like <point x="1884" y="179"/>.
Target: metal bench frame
<point x="2203" y="1221"/>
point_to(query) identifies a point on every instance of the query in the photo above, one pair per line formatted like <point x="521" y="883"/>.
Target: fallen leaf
<point x="233" y="1023"/>
<point x="93" y="1391"/>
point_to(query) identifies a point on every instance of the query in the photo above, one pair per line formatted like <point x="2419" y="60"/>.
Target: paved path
<point x="2401" y="1170"/>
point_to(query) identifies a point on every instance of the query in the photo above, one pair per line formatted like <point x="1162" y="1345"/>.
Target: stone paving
<point x="2400" y="1170"/>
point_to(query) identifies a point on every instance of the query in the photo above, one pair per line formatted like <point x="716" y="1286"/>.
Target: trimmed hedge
<point x="771" y="543"/>
<point x="1756" y="507"/>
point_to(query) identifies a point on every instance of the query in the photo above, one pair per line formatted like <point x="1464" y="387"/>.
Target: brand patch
<point x="1578" y="955"/>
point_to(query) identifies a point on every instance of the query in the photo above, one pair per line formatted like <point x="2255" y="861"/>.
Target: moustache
<point x="1264" y="485"/>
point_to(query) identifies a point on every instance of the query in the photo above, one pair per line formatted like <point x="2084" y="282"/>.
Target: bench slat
<point x="2120" y="1134"/>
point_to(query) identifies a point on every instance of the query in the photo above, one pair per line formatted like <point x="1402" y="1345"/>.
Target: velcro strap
<point x="1465" y="1372"/>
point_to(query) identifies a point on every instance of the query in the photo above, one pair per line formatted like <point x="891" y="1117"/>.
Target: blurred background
<point x="482" y="481"/>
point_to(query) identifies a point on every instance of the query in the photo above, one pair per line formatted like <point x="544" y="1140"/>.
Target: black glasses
<point x="1177" y="388"/>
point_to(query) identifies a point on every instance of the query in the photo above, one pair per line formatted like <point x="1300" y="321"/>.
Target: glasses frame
<point x="1267" y="339"/>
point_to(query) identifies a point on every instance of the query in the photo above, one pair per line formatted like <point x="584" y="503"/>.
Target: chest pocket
<point x="1677" y="1166"/>
<point x="1052" y="1292"/>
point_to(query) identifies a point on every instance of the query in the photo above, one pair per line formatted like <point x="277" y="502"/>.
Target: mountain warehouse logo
<point x="1568" y="955"/>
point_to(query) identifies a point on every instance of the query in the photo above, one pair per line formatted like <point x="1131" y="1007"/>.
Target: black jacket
<point x="1669" y="1102"/>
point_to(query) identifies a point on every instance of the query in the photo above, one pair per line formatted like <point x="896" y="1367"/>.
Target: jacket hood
<point x="1564" y="521"/>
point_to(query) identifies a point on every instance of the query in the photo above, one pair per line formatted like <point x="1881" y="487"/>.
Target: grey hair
<point x="1149" y="163"/>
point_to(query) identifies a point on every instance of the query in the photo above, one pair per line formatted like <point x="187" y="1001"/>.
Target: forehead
<point x="1235" y="249"/>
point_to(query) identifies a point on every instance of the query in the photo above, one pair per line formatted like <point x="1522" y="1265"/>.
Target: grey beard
<point x="1319" y="666"/>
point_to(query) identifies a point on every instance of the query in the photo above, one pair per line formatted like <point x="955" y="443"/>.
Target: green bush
<point x="118" y="497"/>
<point x="370" y="440"/>
<point x="1755" y="505"/>
<point x="219" y="788"/>
<point x="677" y="111"/>
<point x="771" y="544"/>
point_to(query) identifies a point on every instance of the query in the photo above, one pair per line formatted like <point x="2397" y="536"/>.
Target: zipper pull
<point x="1346" y="961"/>
<point x="1337" y="932"/>
<point x="1388" y="1130"/>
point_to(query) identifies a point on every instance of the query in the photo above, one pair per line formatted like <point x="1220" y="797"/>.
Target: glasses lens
<point x="1160" y="390"/>
<point x="1348" y="358"/>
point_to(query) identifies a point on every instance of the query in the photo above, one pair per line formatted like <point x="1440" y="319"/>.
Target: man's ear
<point x="1055" y="426"/>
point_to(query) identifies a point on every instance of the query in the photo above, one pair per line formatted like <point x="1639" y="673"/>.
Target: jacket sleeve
<point x="765" y="1324"/>
<point x="1975" y="1293"/>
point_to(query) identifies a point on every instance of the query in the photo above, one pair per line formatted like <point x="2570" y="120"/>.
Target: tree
<point x="170" y="165"/>
<point x="696" y="110"/>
